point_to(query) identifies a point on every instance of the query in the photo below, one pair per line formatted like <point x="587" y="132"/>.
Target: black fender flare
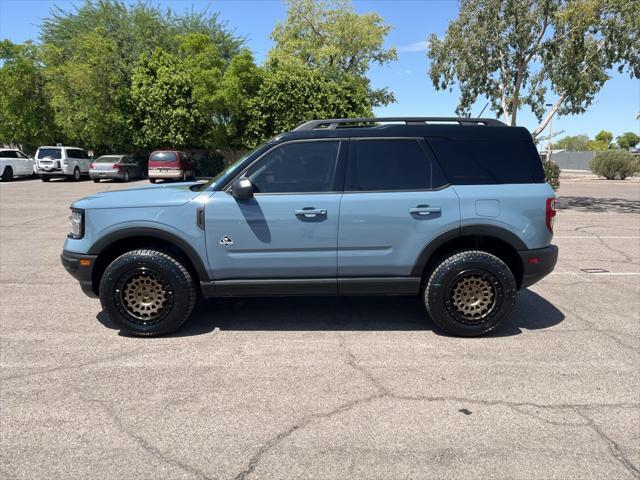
<point x="101" y="244"/>
<point x="465" y="231"/>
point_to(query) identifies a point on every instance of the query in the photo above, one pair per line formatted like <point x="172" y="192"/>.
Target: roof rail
<point x="333" y="123"/>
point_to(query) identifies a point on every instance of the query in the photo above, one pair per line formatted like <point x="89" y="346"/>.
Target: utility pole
<point x="550" y="135"/>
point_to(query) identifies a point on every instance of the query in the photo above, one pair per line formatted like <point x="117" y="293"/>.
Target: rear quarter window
<point x="485" y="162"/>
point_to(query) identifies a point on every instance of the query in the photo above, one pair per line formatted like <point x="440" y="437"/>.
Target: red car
<point x="170" y="165"/>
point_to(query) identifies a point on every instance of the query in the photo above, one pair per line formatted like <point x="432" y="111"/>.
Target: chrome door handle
<point x="424" y="210"/>
<point x="310" y="212"/>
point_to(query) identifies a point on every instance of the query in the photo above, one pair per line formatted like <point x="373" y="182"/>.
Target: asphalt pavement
<point x="324" y="388"/>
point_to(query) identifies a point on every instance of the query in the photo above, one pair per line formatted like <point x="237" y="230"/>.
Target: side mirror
<point x="242" y="189"/>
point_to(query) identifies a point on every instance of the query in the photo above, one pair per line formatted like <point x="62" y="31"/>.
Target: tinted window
<point x="8" y="154"/>
<point x="296" y="167"/>
<point x="481" y="162"/>
<point x="75" y="153"/>
<point x="163" y="157"/>
<point x="392" y="165"/>
<point x="54" y="153"/>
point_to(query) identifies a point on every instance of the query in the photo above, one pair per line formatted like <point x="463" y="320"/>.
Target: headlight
<point x="76" y="222"/>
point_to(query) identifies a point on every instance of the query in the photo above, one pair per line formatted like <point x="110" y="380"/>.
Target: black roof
<point x="449" y="127"/>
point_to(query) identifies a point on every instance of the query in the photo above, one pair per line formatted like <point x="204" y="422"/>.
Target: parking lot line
<point x="595" y="273"/>
<point x="593" y="237"/>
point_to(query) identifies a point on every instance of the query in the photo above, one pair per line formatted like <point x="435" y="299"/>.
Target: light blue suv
<point x="455" y="210"/>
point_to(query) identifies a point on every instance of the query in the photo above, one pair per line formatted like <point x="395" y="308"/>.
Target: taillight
<point x="551" y="212"/>
<point x="92" y="166"/>
<point x="116" y="166"/>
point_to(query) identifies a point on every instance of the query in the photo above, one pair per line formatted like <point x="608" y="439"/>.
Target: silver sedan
<point x="119" y="167"/>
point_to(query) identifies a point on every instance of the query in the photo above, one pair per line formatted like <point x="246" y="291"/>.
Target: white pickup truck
<point x="14" y="163"/>
<point x="60" y="161"/>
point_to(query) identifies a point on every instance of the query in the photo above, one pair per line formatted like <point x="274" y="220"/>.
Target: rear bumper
<point x="175" y="174"/>
<point x="106" y="174"/>
<point x="82" y="273"/>
<point x="535" y="270"/>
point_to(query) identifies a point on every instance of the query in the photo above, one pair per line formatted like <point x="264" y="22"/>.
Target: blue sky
<point x="615" y="109"/>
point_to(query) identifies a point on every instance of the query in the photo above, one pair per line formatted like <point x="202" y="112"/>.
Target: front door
<point x="288" y="230"/>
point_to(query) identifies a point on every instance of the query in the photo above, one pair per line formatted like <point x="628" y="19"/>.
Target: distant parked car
<point x="170" y="165"/>
<point x="119" y="167"/>
<point x="59" y="161"/>
<point x="14" y="163"/>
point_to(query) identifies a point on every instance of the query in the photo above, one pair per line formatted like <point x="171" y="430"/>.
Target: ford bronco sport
<point x="455" y="210"/>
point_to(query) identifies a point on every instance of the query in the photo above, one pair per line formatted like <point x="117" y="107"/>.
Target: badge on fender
<point x="226" y="241"/>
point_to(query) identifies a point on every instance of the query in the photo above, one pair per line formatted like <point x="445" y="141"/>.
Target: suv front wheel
<point x="470" y="293"/>
<point x="147" y="292"/>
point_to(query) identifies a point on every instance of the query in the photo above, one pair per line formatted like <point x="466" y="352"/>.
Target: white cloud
<point x="414" y="47"/>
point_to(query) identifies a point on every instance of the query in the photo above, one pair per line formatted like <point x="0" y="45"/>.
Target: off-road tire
<point x="7" y="175"/>
<point x="177" y="282"/>
<point x="439" y="289"/>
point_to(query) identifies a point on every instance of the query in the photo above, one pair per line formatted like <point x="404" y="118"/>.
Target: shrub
<point x="209" y="165"/>
<point x="551" y="174"/>
<point x="614" y="164"/>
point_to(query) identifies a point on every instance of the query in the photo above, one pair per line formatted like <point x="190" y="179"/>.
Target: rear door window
<point x="8" y="154"/>
<point x="392" y="165"/>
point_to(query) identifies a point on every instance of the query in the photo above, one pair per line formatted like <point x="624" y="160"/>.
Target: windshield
<point x="49" y="152"/>
<point x="163" y="157"/>
<point x="107" y="159"/>
<point x="230" y="171"/>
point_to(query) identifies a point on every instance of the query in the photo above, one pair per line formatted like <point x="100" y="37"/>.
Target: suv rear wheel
<point x="470" y="293"/>
<point x="147" y="292"/>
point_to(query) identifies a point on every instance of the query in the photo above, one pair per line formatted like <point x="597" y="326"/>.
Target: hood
<point x="148" y="196"/>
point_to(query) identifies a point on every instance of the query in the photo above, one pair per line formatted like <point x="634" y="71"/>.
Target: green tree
<point x="233" y="101"/>
<point x="574" y="143"/>
<point x="627" y="140"/>
<point x="91" y="52"/>
<point x="26" y="117"/>
<point x="295" y="92"/>
<point x="165" y="113"/>
<point x="520" y="52"/>
<point x="332" y="37"/>
<point x="601" y="142"/>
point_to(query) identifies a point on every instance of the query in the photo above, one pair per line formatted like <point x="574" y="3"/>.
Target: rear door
<point x="289" y="228"/>
<point x="396" y="201"/>
<point x="26" y="164"/>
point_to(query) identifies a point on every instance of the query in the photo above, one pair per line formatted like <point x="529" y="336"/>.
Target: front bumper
<point x="537" y="264"/>
<point x="81" y="271"/>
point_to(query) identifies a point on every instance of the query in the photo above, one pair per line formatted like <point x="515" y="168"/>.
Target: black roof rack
<point x="333" y="123"/>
